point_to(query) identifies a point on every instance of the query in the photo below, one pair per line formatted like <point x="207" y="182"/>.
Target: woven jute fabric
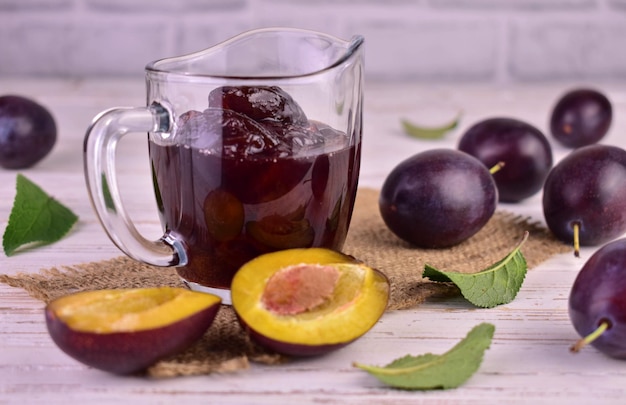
<point x="225" y="346"/>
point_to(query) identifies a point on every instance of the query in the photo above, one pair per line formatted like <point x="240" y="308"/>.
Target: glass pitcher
<point x="254" y="146"/>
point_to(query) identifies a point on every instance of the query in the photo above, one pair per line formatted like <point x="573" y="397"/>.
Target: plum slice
<point x="227" y="133"/>
<point x="288" y="231"/>
<point x="127" y="330"/>
<point x="308" y="302"/>
<point x="261" y="103"/>
<point x="224" y="215"/>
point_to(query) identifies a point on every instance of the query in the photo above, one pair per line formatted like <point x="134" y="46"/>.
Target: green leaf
<point x="498" y="284"/>
<point x="35" y="217"/>
<point x="106" y="193"/>
<point x="431" y="371"/>
<point x="422" y="132"/>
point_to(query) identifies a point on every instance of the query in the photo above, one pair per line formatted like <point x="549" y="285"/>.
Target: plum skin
<point x="292" y="349"/>
<point x="438" y="198"/>
<point x="28" y="132"/>
<point x="599" y="295"/>
<point x="581" y="117"/>
<point x="524" y="150"/>
<point x="587" y="187"/>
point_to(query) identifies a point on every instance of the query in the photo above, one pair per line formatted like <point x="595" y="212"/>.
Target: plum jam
<point x="249" y="175"/>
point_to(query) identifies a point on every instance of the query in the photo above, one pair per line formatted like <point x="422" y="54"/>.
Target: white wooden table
<point x="528" y="362"/>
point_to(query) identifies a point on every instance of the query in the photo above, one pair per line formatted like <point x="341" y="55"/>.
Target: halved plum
<point x="307" y="302"/>
<point x="279" y="232"/>
<point x="127" y="330"/>
<point x="261" y="103"/>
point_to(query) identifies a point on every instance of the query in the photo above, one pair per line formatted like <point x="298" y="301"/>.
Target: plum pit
<point x="299" y="288"/>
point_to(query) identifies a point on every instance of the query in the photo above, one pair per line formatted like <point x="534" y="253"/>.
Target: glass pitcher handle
<point x="99" y="159"/>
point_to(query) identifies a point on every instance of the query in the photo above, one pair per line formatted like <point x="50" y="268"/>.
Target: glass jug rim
<point x="351" y="47"/>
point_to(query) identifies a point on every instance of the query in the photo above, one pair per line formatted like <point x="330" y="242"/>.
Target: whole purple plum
<point x="523" y="149"/>
<point x="597" y="301"/>
<point x="438" y="198"/>
<point x="27" y="132"/>
<point x="581" y="117"/>
<point x="584" y="196"/>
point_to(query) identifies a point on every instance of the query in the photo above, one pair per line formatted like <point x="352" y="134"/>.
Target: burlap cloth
<point x="225" y="348"/>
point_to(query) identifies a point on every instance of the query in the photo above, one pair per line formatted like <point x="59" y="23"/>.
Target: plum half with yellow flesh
<point x="127" y="330"/>
<point x="307" y="302"/>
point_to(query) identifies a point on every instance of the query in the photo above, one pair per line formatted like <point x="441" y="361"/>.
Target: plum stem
<point x="576" y="227"/>
<point x="604" y="325"/>
<point x="496" y="168"/>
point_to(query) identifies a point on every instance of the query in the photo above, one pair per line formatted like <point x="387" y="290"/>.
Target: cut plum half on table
<point x="307" y="302"/>
<point x="124" y="331"/>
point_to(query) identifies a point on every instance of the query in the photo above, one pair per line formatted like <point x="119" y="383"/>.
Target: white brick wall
<point x="462" y="40"/>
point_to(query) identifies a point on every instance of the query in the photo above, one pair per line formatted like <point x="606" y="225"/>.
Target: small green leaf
<point x="106" y="193"/>
<point x="422" y="132"/>
<point x="431" y="371"/>
<point x="498" y="284"/>
<point x="35" y="217"/>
